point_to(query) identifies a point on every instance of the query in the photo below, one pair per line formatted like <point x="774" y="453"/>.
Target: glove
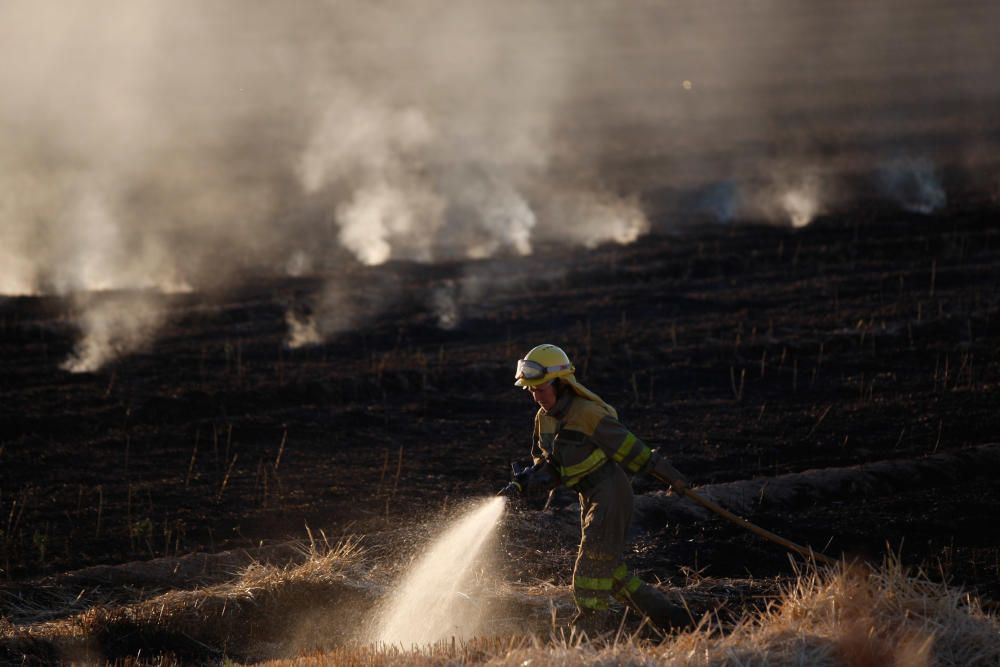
<point x="679" y="486"/>
<point x="529" y="480"/>
<point x="516" y="485"/>
<point x="665" y="472"/>
<point x="512" y="490"/>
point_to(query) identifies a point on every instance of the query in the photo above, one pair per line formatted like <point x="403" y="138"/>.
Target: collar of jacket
<point x="561" y="407"/>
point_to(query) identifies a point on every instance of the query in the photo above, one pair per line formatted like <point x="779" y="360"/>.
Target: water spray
<point x="432" y="602"/>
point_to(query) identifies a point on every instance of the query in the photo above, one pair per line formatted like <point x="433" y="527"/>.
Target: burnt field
<point x="745" y="352"/>
<point x="265" y="273"/>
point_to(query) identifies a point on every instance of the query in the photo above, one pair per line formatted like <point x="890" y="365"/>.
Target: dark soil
<point x="742" y="351"/>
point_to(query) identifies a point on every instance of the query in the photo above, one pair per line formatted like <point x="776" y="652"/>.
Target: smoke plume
<point x="112" y="325"/>
<point x="589" y="218"/>
<point x="189" y="145"/>
<point x="913" y="184"/>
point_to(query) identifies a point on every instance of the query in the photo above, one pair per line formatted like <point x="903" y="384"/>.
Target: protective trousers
<point x="605" y="514"/>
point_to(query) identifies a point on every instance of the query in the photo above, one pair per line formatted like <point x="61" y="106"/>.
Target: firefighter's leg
<point x="592" y="577"/>
<point x="604" y="517"/>
<point x="647" y="600"/>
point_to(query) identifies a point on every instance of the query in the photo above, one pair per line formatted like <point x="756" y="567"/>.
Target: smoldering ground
<point x="182" y="145"/>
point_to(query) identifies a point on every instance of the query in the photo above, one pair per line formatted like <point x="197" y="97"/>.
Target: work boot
<point x="662" y="611"/>
<point x="671" y="617"/>
<point x="591" y="623"/>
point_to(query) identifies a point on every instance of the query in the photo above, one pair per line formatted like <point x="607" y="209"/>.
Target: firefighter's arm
<point x="540" y="477"/>
<point x="543" y="476"/>
<point x="537" y="453"/>
<point x="532" y="480"/>
<point x="634" y="455"/>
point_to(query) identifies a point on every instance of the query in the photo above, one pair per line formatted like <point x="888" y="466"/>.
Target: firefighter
<point x="579" y="442"/>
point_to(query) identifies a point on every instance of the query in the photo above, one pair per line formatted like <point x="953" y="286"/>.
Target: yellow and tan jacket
<point x="578" y="436"/>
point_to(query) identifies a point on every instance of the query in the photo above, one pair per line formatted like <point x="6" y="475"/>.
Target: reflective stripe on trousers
<point x="624" y="584"/>
<point x="592" y="592"/>
<point x="605" y="513"/>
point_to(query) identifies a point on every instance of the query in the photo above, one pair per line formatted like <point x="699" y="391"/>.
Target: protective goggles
<point x="532" y="370"/>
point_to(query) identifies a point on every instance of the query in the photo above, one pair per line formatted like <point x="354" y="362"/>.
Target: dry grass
<point x="848" y="616"/>
<point x="264" y="611"/>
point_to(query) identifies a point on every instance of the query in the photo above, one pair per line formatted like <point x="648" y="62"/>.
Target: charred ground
<point x="743" y="351"/>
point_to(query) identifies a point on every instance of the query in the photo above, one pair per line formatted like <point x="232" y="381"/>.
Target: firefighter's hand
<point x="668" y="474"/>
<point x="516" y="485"/>
<point x="512" y="490"/>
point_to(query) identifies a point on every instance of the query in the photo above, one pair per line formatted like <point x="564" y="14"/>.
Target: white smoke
<point x="94" y="252"/>
<point x="396" y="201"/>
<point x="720" y="202"/>
<point x="793" y="199"/>
<point x="363" y="160"/>
<point x="89" y="251"/>
<point x="483" y="284"/>
<point x="341" y="305"/>
<point x="486" y="215"/>
<point x="591" y="218"/>
<point x="112" y="325"/>
<point x="20" y="201"/>
<point x="177" y="144"/>
<point x="913" y="184"/>
<point x="444" y="301"/>
<point x="302" y="330"/>
<point x="359" y="139"/>
<point x="17" y="277"/>
<point x="298" y="264"/>
<point x="801" y="204"/>
<point x="380" y="218"/>
<point x="501" y="222"/>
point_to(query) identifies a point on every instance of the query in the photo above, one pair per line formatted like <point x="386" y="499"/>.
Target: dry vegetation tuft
<point x="851" y="616"/>
<point x="263" y="612"/>
<point x="848" y="616"/>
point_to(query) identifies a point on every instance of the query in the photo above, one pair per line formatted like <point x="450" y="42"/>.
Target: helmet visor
<point x="532" y="370"/>
<point x="529" y="370"/>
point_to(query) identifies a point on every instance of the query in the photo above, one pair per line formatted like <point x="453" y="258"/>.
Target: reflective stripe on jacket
<point x="578" y="436"/>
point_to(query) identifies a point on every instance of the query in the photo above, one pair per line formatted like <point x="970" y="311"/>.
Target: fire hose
<point x="539" y="474"/>
<point x="687" y="492"/>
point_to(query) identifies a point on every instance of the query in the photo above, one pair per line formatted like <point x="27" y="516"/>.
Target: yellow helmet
<point x="542" y="364"/>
